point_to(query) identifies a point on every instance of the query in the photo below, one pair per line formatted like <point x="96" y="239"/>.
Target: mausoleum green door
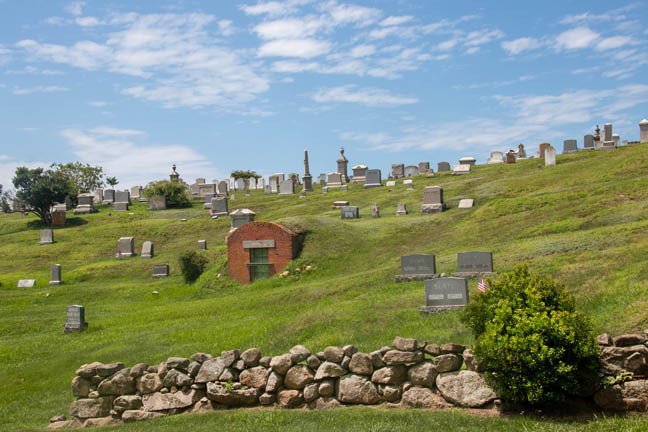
<point x="259" y="268"/>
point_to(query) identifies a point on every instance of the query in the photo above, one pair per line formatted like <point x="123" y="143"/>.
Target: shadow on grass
<point x="69" y="222"/>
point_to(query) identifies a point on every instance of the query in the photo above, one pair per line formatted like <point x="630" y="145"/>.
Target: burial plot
<point x="160" y="271"/>
<point x="350" y="212"/>
<point x="126" y="247"/>
<point x="55" y="274"/>
<point x="472" y="264"/>
<point x="147" y="250"/>
<point x="433" y="200"/>
<point x="75" y="319"/>
<point x="373" y="179"/>
<point x="46" y="236"/>
<point x="398" y="171"/>
<point x="417" y="267"/>
<point x="443" y="294"/>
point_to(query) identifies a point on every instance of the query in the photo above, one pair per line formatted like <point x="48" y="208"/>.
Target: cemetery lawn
<point x="583" y="222"/>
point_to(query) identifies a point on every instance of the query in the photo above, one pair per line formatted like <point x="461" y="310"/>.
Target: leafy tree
<point x="83" y="177"/>
<point x="5" y="198"/>
<point x="532" y="344"/>
<point x="192" y="265"/>
<point x="40" y="189"/>
<point x="112" y="181"/>
<point x="174" y="192"/>
<point x="245" y="175"/>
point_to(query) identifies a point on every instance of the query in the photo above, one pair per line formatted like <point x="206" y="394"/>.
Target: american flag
<point x="482" y="285"/>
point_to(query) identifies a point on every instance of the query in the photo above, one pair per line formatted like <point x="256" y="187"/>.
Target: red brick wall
<point x="278" y="257"/>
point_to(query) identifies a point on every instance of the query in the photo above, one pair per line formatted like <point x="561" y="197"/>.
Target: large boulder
<point x="465" y="388"/>
<point x="149" y="383"/>
<point x="129" y="402"/>
<point x="629" y="340"/>
<point x="299" y="353"/>
<point x="290" y="398"/>
<point x="394" y="375"/>
<point x="251" y="357"/>
<point x="357" y="389"/>
<point x="395" y="357"/>
<point x="423" y="374"/>
<point x="210" y="370"/>
<point x="404" y="344"/>
<point x="120" y="383"/>
<point x="274" y="382"/>
<point x="166" y="401"/>
<point x="329" y="370"/>
<point x="138" y="415"/>
<point x="361" y="364"/>
<point x="419" y="397"/>
<point x="101" y="421"/>
<point x="255" y="377"/>
<point x="175" y="378"/>
<point x="106" y="370"/>
<point x="88" y="370"/>
<point x="627" y="396"/>
<point x="281" y="364"/>
<point x="448" y="362"/>
<point x="80" y="387"/>
<point x="89" y="408"/>
<point x="229" y="357"/>
<point x="201" y="357"/>
<point x="633" y="359"/>
<point x="177" y="363"/>
<point x="334" y="354"/>
<point x="389" y="393"/>
<point x="230" y="397"/>
<point x="298" y="377"/>
<point x="452" y="348"/>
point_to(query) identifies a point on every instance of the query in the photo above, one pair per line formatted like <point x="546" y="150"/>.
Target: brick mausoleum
<point x="259" y="250"/>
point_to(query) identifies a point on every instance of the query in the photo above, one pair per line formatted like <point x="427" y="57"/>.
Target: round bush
<point x="192" y="264"/>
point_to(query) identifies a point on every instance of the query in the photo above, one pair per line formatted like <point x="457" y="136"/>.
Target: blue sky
<point x="215" y="86"/>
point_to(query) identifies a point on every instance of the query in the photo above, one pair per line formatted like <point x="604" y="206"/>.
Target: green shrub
<point x="192" y="264"/>
<point x="532" y="344"/>
<point x="174" y="192"/>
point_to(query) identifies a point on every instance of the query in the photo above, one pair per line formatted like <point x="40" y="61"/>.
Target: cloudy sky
<point x="215" y="86"/>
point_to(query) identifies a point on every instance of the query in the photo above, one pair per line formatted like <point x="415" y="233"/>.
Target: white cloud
<point x="88" y="21"/>
<point x="368" y="96"/>
<point x="38" y="89"/>
<point x="472" y="50"/>
<point x="97" y="104"/>
<point x="519" y="45"/>
<point x="300" y="48"/>
<point x="274" y="8"/>
<point x="75" y="8"/>
<point x="362" y="50"/>
<point x="287" y="66"/>
<point x="289" y="28"/>
<point x="481" y="37"/>
<point x="55" y="20"/>
<point x="576" y="38"/>
<point x="8" y="167"/>
<point x="226" y="27"/>
<point x="447" y="45"/>
<point x="613" y="42"/>
<point x="350" y="14"/>
<point x="396" y="20"/>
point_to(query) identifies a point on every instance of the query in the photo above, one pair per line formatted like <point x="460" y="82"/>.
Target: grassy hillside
<point x="583" y="222"/>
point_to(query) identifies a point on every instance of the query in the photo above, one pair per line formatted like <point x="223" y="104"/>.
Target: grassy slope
<point x="582" y="222"/>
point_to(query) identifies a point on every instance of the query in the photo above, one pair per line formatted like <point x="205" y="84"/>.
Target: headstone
<point x="342" y="163"/>
<point x="231" y="183"/>
<point x="98" y="196"/>
<point x="570" y="146"/>
<point x="443" y="166"/>
<point x="202" y="245"/>
<point x="321" y="179"/>
<point x="401" y="210"/>
<point x="240" y="184"/>
<point x="339" y="204"/>
<point x="643" y="130"/>
<point x="411" y="171"/>
<point x="588" y="141"/>
<point x="445" y="294"/>
<point x="219" y="206"/>
<point x="345" y="188"/>
<point x="261" y="183"/>
<point x="136" y="192"/>
<point x="267" y="190"/>
<point x="407" y="182"/>
<point x="616" y="139"/>
<point x="200" y="180"/>
<point x="307" y="177"/>
<point x="468" y="160"/>
<point x="375" y="211"/>
<point x="46" y="236"/>
<point x="26" y="283"/>
<point x="157" y="202"/>
<point x="252" y="184"/>
<point x="521" y="152"/>
<point x="206" y="189"/>
<point x="126" y="247"/>
<point x="359" y="174"/>
<point x="58" y="218"/>
<point x="510" y="157"/>
<point x="543" y="147"/>
<point x="417" y="267"/>
<point x="550" y="156"/>
<point x="461" y="169"/>
<point x="85" y="204"/>
<point x="398" y="171"/>
<point x="222" y="188"/>
<point x="55" y="274"/>
<point x="208" y="198"/>
<point x="75" y="319"/>
<point x="147" y="250"/>
<point x="160" y="271"/>
<point x="466" y="203"/>
<point x="68" y="203"/>
<point x="607" y="132"/>
<point x="471" y="264"/>
<point x="120" y="206"/>
<point x="241" y="216"/>
<point x="495" y="158"/>
<point x="373" y="179"/>
<point x="334" y="180"/>
<point x="109" y="196"/>
<point x="424" y="167"/>
<point x="433" y="200"/>
<point x="274" y="181"/>
<point x="390" y="183"/>
<point x="122" y="197"/>
<point x="287" y="187"/>
<point x="350" y="212"/>
<point x="325" y="190"/>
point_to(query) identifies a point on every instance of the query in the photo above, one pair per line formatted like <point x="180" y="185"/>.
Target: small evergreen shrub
<point x="532" y="344"/>
<point x="174" y="192"/>
<point x="192" y="264"/>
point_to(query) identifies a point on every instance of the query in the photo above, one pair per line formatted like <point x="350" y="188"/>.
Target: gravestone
<point x="75" y="319"/>
<point x="85" y="204"/>
<point x="350" y="212"/>
<point x="445" y="294"/>
<point x="160" y="271"/>
<point x="147" y="250"/>
<point x="274" y="181"/>
<point x="521" y="152"/>
<point x="510" y="157"/>
<point x="390" y="183"/>
<point x="342" y="164"/>
<point x="468" y="160"/>
<point x="334" y="180"/>
<point x="26" y="283"/>
<point x="157" y="202"/>
<point x="55" y="274"/>
<point x="373" y="179"/>
<point x="240" y="184"/>
<point x="607" y="133"/>
<point x="287" y="187"/>
<point x="136" y="192"/>
<point x="643" y="131"/>
<point x="206" y="189"/>
<point x="307" y="177"/>
<point x="321" y="179"/>
<point x="252" y="183"/>
<point x="443" y="166"/>
<point x="471" y="264"/>
<point x="411" y="171"/>
<point x="108" y="196"/>
<point x="340" y="204"/>
<point x="122" y="197"/>
<point x="550" y="156"/>
<point x="325" y="190"/>
<point x="424" y="167"/>
<point x="359" y="174"/>
<point x="543" y="147"/>
<point x="294" y="177"/>
<point x="466" y="203"/>
<point x="58" y="218"/>
<point x="98" y="196"/>
<point x="200" y="180"/>
<point x="398" y="171"/>
<point x="417" y="267"/>
<point x="461" y="169"/>
<point x="46" y="236"/>
<point x="222" y="188"/>
<point x="260" y="184"/>
<point x="208" y="198"/>
<point x="433" y="200"/>
<point x="407" y="182"/>
<point x="120" y="206"/>
<point x="401" y="210"/>
<point x="267" y="190"/>
<point x="588" y="141"/>
<point x="616" y="139"/>
<point x="495" y="158"/>
<point x="345" y="188"/>
<point x="202" y="245"/>
<point x="126" y="247"/>
<point x="570" y="146"/>
<point x="219" y="206"/>
<point x="375" y="211"/>
<point x="240" y="217"/>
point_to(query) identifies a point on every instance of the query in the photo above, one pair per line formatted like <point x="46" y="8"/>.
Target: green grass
<point x="583" y="222"/>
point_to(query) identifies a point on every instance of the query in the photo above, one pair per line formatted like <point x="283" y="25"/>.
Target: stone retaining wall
<point x="410" y="373"/>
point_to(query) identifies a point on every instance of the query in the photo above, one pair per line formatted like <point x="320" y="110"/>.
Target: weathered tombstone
<point x="570" y="146"/>
<point x="232" y="184"/>
<point x="466" y="203"/>
<point x="339" y="204"/>
<point x="461" y="169"/>
<point x="75" y="321"/>
<point x="433" y="200"/>
<point x="274" y="181"/>
<point x="401" y="210"/>
<point x="334" y="180"/>
<point x="122" y="197"/>
<point x="643" y="131"/>
<point x="321" y="179"/>
<point x="443" y="166"/>
<point x="26" y="283"/>
<point x="120" y="206"/>
<point x="471" y="264"/>
<point x="222" y="188"/>
<point x="240" y="184"/>
<point x="390" y="183"/>
<point x="260" y="183"/>
<point x="241" y="216"/>
<point x="607" y="133"/>
<point x="342" y="164"/>
<point x="136" y="192"/>
<point x="58" y="218"/>
<point x="206" y="189"/>
<point x="372" y="179"/>
<point x="108" y="196"/>
<point x="417" y="267"/>
<point x="445" y="294"/>
<point x="375" y="211"/>
<point x="55" y="274"/>
<point x="408" y="182"/>
<point x="287" y="187"/>
<point x="468" y="160"/>
<point x="46" y="236"/>
<point x="345" y="188"/>
<point x="58" y="208"/>
<point x="550" y="156"/>
<point x="98" y="196"/>
<point x="157" y="202"/>
<point x="510" y="157"/>
<point x="495" y="158"/>
<point x="350" y="212"/>
<point x="588" y="141"/>
<point x="616" y="139"/>
<point x="126" y="247"/>
<point x="147" y="250"/>
<point x="252" y="183"/>
<point x="543" y="147"/>
<point x="359" y="174"/>
<point x="521" y="152"/>
<point x="85" y="204"/>
<point x="160" y="271"/>
<point x="398" y="171"/>
<point x="208" y="198"/>
<point x="411" y="171"/>
<point x="200" y="180"/>
<point x="325" y="190"/>
<point x="307" y="177"/>
<point x="202" y="245"/>
<point x="267" y="190"/>
<point x="424" y="167"/>
<point x="219" y="206"/>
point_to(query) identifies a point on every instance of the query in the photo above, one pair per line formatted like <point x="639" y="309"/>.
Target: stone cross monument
<point x="174" y="176"/>
<point x="342" y="163"/>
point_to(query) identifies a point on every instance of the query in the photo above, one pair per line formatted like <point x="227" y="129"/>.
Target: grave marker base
<point x="416" y="277"/>
<point x="435" y="309"/>
<point x="74" y="328"/>
<point x="432" y="208"/>
<point x="473" y="274"/>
